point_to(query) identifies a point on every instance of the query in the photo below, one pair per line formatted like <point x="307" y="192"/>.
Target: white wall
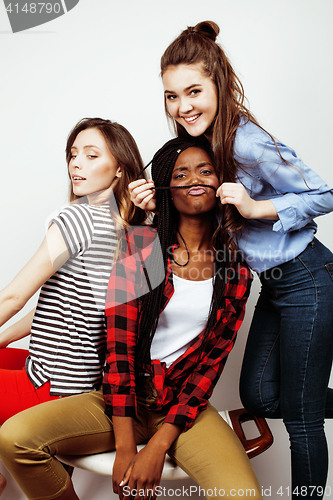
<point x="102" y="59"/>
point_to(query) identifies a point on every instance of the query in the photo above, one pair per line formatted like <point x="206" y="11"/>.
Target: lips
<point x="77" y="178"/>
<point x="196" y="191"/>
<point x="191" y="119"/>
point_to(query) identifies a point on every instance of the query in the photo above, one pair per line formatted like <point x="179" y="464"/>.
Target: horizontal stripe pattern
<point x="68" y="334"/>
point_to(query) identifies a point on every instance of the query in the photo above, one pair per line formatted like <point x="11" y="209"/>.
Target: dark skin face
<point x="195" y="206"/>
<point x="194" y="166"/>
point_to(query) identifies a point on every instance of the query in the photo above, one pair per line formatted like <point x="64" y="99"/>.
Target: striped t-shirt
<point x="68" y="334"/>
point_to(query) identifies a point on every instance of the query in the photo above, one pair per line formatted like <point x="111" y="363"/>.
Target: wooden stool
<point x="102" y="463"/>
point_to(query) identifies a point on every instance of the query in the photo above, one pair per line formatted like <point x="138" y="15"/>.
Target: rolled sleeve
<point x="274" y="172"/>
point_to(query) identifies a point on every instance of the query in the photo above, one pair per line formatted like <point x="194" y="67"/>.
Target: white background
<point x="102" y="59"/>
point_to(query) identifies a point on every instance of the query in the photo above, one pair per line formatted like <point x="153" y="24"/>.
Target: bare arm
<point x="125" y="450"/>
<point x="51" y="255"/>
<point x="18" y="330"/>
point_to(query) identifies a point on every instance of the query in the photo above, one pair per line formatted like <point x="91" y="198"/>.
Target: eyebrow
<point x="87" y="146"/>
<point x="186" y="89"/>
<point x="201" y="164"/>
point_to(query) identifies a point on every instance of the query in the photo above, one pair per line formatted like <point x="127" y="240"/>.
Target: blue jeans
<point x="288" y="358"/>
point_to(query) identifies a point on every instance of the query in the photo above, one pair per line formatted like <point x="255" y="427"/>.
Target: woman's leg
<point x="306" y="359"/>
<point x="75" y="425"/>
<point x="260" y="375"/>
<point x="303" y="296"/>
<point x="212" y="455"/>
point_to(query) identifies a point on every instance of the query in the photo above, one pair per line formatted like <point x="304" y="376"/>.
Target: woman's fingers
<point x="142" y="195"/>
<point x="124" y="482"/>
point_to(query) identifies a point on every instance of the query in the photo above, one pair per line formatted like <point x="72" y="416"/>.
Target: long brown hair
<point x="198" y="45"/>
<point x="124" y="149"/>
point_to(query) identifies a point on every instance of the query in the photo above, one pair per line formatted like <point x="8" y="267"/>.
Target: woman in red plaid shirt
<point x="175" y="302"/>
<point x="174" y="306"/>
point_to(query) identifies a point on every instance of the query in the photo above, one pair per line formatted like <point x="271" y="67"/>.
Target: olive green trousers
<point x="209" y="452"/>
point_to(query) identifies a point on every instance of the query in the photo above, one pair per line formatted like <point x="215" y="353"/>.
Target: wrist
<point x="125" y="448"/>
<point x="264" y="209"/>
<point x="257" y="212"/>
<point x="164" y="438"/>
<point x="158" y="447"/>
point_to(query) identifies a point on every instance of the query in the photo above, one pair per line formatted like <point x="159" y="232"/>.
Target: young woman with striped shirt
<point x="72" y="266"/>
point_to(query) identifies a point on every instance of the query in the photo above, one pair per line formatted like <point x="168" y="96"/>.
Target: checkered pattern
<point x="184" y="388"/>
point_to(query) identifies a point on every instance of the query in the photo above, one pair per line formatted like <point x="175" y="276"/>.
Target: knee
<point x="7" y="443"/>
<point x="305" y="429"/>
<point x="249" y="394"/>
<point x="259" y="400"/>
<point x="251" y="402"/>
<point x="15" y="443"/>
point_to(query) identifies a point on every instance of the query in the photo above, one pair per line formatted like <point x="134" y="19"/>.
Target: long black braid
<point x="167" y="222"/>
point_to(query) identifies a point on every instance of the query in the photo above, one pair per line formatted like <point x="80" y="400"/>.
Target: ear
<point x="119" y="172"/>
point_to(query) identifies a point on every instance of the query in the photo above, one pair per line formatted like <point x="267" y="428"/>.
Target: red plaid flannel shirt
<point x="184" y="388"/>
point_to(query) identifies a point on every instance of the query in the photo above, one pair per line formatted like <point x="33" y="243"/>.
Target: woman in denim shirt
<point x="270" y="200"/>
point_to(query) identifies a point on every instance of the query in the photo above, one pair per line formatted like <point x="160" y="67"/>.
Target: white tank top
<point x="184" y="317"/>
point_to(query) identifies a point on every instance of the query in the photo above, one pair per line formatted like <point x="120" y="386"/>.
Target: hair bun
<point x="208" y="29"/>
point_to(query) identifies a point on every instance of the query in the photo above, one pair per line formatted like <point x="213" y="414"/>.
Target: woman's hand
<point x="235" y="193"/>
<point x="142" y="195"/>
<point x="144" y="473"/>
<point x="145" y="470"/>
<point x="120" y="466"/>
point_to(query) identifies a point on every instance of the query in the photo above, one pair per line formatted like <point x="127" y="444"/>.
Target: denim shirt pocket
<point x="329" y="268"/>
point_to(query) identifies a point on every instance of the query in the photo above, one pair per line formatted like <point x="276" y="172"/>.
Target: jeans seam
<point x="310" y="273"/>
<point x="307" y="359"/>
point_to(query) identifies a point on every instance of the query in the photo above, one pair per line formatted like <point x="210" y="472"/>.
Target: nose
<point x="76" y="163"/>
<point x="185" y="106"/>
<point x="193" y="179"/>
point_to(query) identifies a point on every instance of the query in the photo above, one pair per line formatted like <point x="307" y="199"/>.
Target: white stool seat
<point x="102" y="463"/>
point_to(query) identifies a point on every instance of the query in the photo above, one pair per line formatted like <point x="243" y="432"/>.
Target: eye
<point x="92" y="156"/>
<point x="181" y="175"/>
<point x="206" y="171"/>
<point x="195" y="92"/>
<point x="171" y="97"/>
<point x="72" y="156"/>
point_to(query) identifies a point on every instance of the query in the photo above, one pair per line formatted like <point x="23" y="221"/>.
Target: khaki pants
<point x="209" y="452"/>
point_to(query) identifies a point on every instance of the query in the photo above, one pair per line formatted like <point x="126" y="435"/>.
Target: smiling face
<point x="92" y="168"/>
<point x="191" y="98"/>
<point x="194" y="167"/>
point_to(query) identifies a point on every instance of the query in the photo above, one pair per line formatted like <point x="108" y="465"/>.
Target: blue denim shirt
<point x="298" y="194"/>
